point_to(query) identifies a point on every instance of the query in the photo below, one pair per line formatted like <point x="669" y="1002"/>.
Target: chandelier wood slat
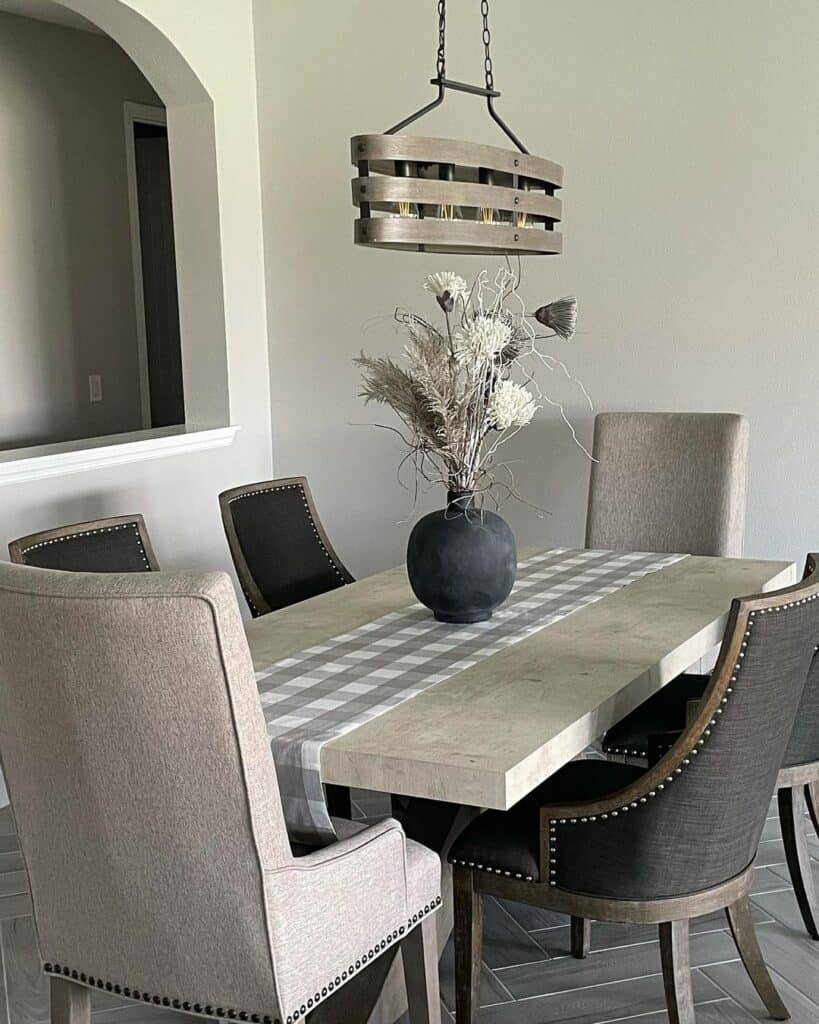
<point x="449" y="196"/>
<point x="383" y="193"/>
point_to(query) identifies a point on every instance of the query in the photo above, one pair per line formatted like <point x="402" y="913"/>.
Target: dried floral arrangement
<point x="468" y="386"/>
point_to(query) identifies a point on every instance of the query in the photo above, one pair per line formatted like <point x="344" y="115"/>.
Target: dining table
<point x="504" y="713"/>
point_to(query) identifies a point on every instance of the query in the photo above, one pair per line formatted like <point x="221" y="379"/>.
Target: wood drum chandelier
<point x="441" y="195"/>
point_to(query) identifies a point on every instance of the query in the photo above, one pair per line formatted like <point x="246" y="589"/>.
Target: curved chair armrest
<point x="349" y="846"/>
<point x="333" y="911"/>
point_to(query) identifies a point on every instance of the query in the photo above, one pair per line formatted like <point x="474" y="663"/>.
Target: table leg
<point x="339" y="802"/>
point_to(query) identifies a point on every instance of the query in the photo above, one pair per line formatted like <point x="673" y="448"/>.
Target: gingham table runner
<point x="331" y="688"/>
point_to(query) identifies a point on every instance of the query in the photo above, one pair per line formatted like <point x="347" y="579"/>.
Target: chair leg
<point x="742" y="928"/>
<point x="812" y="797"/>
<point x="70" y="1002"/>
<point x="420" y="954"/>
<point x="791" y="802"/>
<point x="676" y="962"/>
<point x="581" y="937"/>
<point x="468" y="939"/>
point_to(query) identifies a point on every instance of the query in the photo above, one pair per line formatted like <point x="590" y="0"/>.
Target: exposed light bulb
<point x="405" y="208"/>
<point x="447" y="211"/>
<point x="521" y="217"/>
<point x="488" y="215"/>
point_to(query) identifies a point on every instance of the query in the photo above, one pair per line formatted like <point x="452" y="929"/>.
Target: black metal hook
<point x="443" y="85"/>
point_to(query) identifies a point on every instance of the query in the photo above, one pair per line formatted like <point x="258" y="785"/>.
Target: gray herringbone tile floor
<point x="528" y="975"/>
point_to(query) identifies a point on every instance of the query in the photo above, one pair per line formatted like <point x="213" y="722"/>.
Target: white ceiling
<point x="46" y="10"/>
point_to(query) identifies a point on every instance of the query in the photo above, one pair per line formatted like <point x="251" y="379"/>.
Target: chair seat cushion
<point x="507" y="842"/>
<point x="664" y="712"/>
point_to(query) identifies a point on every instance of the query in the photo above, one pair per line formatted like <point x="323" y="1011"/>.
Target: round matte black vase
<point x="461" y="561"/>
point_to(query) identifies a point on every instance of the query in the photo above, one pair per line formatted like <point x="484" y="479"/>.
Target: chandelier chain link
<point x="487" y="41"/>
<point x="441" y="61"/>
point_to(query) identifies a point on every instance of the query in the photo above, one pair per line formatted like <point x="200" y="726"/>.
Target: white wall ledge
<point x="22" y="465"/>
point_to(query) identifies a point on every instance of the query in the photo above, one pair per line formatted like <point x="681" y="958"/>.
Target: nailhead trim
<point x="135" y="993"/>
<point x="686" y="761"/>
<point x="625" y="752"/>
<point x="92" y="533"/>
<point x="491" y="870"/>
<point x="208" y="1010"/>
<point x="371" y="954"/>
<point x="300" y="489"/>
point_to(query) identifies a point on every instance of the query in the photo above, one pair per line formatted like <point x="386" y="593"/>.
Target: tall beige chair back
<point x="148" y="811"/>
<point x="669" y="482"/>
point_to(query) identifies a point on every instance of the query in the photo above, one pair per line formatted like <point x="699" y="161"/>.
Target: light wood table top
<point x="490" y="734"/>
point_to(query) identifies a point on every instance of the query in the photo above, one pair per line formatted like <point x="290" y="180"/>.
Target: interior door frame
<point x="139" y="113"/>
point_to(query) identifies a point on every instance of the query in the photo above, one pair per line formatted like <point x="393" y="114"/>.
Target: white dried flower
<point x="447" y="287"/>
<point x="485" y="338"/>
<point x="511" y="405"/>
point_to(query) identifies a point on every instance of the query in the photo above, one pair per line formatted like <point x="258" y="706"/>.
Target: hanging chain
<point x="487" y="40"/>
<point x="441" y="61"/>
<point x="443" y="84"/>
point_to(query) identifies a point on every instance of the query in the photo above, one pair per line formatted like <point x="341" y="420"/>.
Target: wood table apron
<point x="489" y="735"/>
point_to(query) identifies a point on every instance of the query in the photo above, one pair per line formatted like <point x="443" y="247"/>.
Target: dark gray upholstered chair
<point x="280" y="550"/>
<point x="613" y="841"/>
<point x="668" y="481"/>
<point x="117" y="544"/>
<point x="654" y="726"/>
<point x="149" y="814"/>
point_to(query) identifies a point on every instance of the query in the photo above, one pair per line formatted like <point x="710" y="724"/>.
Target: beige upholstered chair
<point x="668" y="481"/>
<point x="149" y="815"/>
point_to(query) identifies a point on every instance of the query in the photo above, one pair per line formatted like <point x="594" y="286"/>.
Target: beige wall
<point x="66" y="276"/>
<point x="688" y="131"/>
<point x="214" y="40"/>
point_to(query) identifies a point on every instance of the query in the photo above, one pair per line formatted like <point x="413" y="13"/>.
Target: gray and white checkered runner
<point x="328" y="690"/>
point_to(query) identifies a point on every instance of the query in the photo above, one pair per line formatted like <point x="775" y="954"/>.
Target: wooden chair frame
<point x="20" y="547"/>
<point x="671" y="914"/>
<point x="253" y="595"/>
<point x="797" y="792"/>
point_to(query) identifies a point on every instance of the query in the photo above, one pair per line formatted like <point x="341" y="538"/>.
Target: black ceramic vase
<point x="461" y="560"/>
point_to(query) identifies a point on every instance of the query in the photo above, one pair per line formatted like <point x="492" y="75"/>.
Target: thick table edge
<point x="501" y="789"/>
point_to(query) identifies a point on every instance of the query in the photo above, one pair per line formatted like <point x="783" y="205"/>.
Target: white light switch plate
<point x="95" y="388"/>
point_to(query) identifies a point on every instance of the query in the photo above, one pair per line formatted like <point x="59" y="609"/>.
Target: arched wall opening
<point x="192" y="156"/>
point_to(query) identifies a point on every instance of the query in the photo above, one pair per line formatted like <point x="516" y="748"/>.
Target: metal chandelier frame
<point x="441" y="195"/>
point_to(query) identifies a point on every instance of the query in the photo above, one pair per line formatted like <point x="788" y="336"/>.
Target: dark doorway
<point x="163" y="356"/>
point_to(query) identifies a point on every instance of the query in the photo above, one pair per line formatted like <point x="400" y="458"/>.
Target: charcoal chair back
<point x="668" y="482"/>
<point x="116" y="544"/>
<point x="803" y="747"/>
<point x="694" y="820"/>
<point x="280" y="550"/>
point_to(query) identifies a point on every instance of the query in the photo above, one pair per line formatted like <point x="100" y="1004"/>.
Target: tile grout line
<point x="652" y="1013"/>
<point x="617" y="981"/>
<point x="500" y="983"/>
<point x="520" y="927"/>
<point x="776" y="977"/>
<point x="770" y="919"/>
